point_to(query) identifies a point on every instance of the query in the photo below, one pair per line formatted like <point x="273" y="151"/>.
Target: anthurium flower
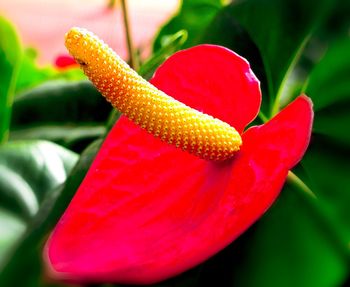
<point x="150" y="208"/>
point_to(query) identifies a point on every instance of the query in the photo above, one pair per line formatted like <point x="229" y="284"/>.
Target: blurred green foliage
<point x="193" y="16"/>
<point x="10" y="58"/>
<point x="31" y="75"/>
<point x="26" y="254"/>
<point x="72" y="120"/>
<point x="29" y="170"/>
<point x="293" y="47"/>
<point x="170" y="44"/>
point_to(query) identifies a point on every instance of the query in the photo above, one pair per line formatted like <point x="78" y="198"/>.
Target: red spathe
<point x="147" y="211"/>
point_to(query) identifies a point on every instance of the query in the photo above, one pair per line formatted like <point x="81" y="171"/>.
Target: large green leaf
<point x="11" y="227"/>
<point x="27" y="253"/>
<point x="73" y="136"/>
<point x="289" y="246"/>
<point x="193" y="16"/>
<point x="329" y="87"/>
<point x="326" y="165"/>
<point x="278" y="29"/>
<point x="327" y="170"/>
<point x="60" y="101"/>
<point x="338" y="23"/>
<point x="10" y="56"/>
<point x="66" y="112"/>
<point x="29" y="170"/>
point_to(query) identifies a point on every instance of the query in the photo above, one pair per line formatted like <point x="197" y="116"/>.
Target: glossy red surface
<point x="65" y="61"/>
<point x="147" y="211"/>
<point x="213" y="80"/>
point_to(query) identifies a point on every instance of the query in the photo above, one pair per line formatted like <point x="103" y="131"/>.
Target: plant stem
<point x="111" y="3"/>
<point x="277" y="102"/>
<point x="132" y="58"/>
<point x="324" y="220"/>
<point x="294" y="180"/>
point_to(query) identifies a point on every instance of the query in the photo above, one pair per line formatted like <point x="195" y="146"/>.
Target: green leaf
<point x="338" y="24"/>
<point x="280" y="30"/>
<point x="27" y="253"/>
<point x="193" y="16"/>
<point x="10" y="55"/>
<point x="30" y="169"/>
<point x="11" y="227"/>
<point x="326" y="167"/>
<point x="60" y="101"/>
<point x="74" y="136"/>
<point x="329" y="88"/>
<point x="31" y="74"/>
<point x="289" y="246"/>
<point x="66" y="112"/>
<point x="172" y="44"/>
<point x="326" y="162"/>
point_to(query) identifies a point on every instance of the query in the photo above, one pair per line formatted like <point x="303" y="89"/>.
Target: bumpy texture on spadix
<point x="148" y="107"/>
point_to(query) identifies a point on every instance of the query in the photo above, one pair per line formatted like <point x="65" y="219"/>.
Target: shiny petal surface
<point x="147" y="211"/>
<point x="287" y="134"/>
<point x="213" y="80"/>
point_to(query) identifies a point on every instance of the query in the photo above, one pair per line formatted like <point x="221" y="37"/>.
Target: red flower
<point x="147" y="211"/>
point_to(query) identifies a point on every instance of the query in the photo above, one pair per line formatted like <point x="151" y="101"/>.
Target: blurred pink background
<point x="43" y="23"/>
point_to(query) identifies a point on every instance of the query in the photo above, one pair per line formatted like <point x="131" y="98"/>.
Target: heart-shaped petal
<point x="147" y="211"/>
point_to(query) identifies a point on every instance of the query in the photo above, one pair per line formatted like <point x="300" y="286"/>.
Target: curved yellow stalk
<point x="148" y="107"/>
